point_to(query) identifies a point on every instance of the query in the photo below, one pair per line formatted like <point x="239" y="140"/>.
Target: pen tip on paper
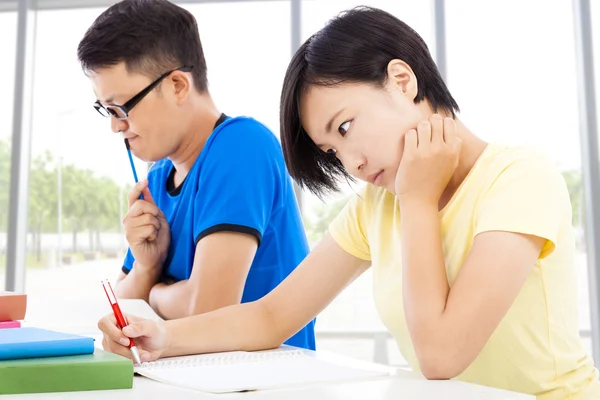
<point x="136" y="355"/>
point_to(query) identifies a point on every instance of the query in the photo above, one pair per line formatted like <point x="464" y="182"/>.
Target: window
<point x="418" y="15"/>
<point x="519" y="86"/>
<point x="247" y="46"/>
<point x="8" y="31"/>
<point x="80" y="171"/>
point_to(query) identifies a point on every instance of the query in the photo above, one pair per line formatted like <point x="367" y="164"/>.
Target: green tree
<point x="104" y="213"/>
<point x="324" y="215"/>
<point x="90" y="203"/>
<point x="43" y="198"/>
<point x="574" y="182"/>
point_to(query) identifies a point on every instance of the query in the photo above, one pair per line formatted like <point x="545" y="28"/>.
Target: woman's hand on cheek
<point x="429" y="159"/>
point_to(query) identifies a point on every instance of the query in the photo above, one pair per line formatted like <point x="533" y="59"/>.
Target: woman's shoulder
<point x="503" y="156"/>
<point x="500" y="164"/>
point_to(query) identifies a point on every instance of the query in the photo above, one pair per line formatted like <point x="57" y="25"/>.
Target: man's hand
<point x="146" y="228"/>
<point x="429" y="160"/>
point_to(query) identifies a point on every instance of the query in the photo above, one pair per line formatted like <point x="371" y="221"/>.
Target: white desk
<point x="81" y="316"/>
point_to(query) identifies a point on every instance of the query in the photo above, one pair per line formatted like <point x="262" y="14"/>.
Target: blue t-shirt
<point x="238" y="183"/>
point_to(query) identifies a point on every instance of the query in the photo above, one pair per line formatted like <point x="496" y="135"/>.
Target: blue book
<point x="35" y="343"/>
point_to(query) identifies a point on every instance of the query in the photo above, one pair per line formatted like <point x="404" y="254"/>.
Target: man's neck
<point x="204" y="119"/>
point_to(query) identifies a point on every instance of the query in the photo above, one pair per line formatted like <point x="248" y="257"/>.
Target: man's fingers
<point x="148" y="196"/>
<point x="135" y="192"/>
<point x="147" y="232"/>
<point x="141" y="234"/>
<point x="142" y="207"/>
<point x="142" y="220"/>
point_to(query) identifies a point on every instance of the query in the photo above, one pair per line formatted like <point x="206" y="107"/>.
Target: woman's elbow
<point x="275" y="330"/>
<point x="439" y="365"/>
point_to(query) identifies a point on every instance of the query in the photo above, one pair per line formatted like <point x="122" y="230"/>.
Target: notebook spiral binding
<point x="221" y="359"/>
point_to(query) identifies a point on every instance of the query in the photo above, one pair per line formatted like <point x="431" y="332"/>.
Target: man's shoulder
<point x="245" y="131"/>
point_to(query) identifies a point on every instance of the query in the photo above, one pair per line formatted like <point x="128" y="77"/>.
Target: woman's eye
<point x="331" y="151"/>
<point x="343" y="128"/>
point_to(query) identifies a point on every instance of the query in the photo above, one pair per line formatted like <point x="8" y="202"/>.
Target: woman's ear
<point x="401" y="77"/>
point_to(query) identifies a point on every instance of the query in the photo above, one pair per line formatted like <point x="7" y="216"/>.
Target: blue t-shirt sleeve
<point x="239" y="181"/>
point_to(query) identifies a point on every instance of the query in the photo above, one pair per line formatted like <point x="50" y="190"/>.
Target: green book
<point x="99" y="371"/>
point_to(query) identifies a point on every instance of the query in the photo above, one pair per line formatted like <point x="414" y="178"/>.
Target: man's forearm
<point x="137" y="283"/>
<point x="171" y="301"/>
<point x="183" y="299"/>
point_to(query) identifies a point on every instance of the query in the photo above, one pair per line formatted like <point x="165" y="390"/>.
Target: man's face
<point x="152" y="126"/>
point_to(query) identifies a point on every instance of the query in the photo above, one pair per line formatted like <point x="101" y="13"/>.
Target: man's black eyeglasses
<point x="122" y="112"/>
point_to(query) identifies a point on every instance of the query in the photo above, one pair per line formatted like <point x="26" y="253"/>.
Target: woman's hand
<point x="150" y="337"/>
<point x="429" y="159"/>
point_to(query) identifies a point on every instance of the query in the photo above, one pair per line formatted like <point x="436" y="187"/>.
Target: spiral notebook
<point x="247" y="371"/>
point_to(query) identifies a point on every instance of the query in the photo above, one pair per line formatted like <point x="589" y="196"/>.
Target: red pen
<point x="121" y="322"/>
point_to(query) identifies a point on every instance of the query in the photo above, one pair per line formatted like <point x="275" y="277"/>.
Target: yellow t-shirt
<point x="536" y="348"/>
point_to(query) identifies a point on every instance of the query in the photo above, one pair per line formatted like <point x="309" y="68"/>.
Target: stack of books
<point x="12" y="309"/>
<point x="35" y="360"/>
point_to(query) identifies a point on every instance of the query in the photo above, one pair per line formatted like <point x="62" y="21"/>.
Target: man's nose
<point x="118" y="125"/>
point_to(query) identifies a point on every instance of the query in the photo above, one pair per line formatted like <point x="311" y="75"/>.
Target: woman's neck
<point x="471" y="150"/>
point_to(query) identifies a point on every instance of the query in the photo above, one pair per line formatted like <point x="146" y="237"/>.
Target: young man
<point x="218" y="222"/>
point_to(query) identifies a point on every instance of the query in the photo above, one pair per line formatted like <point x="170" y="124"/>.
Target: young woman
<point x="470" y="243"/>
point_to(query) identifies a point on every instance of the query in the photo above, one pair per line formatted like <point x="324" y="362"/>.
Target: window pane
<point x="8" y="32"/>
<point x="354" y="309"/>
<point x="247" y="47"/>
<point x="519" y="86"/>
<point x="418" y="15"/>
<point x="80" y="171"/>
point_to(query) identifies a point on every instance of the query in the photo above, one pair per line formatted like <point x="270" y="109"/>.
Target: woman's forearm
<point x="246" y="327"/>
<point x="425" y="283"/>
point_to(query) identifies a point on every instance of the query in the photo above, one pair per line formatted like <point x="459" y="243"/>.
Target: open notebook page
<point x="243" y="371"/>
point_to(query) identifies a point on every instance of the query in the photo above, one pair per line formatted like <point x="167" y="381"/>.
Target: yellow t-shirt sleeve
<point x="529" y="196"/>
<point x="348" y="228"/>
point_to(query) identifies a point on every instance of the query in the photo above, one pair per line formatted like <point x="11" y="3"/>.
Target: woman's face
<point x="364" y="125"/>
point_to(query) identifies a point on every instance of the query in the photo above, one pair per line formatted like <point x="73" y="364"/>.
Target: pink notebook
<point x="9" y="324"/>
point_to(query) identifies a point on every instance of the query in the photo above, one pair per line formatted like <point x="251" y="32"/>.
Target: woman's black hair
<point x="356" y="46"/>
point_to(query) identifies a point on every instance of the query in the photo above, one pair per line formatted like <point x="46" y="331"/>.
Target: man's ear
<point x="182" y="85"/>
